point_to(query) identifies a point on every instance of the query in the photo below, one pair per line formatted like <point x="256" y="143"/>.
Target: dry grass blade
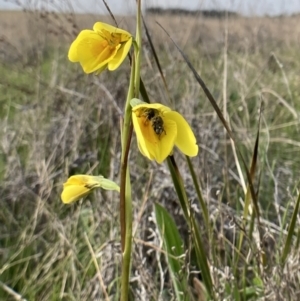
<point x="11" y="292"/>
<point x="93" y="255"/>
<point x="203" y="206"/>
<point x="110" y="12"/>
<point x="219" y="113"/>
<point x="156" y="58"/>
<point x="204" y="87"/>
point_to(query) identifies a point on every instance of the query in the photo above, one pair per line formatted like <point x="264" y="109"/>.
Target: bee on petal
<point x="159" y="129"/>
<point x="158" y="125"/>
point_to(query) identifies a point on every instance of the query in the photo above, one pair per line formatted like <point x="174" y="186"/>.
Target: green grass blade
<point x="248" y="196"/>
<point x="198" y="191"/>
<point x="292" y="229"/>
<point x="173" y="245"/>
<point x="143" y="92"/>
<point x="193" y="226"/>
<point x="253" y="168"/>
<point x="298" y="240"/>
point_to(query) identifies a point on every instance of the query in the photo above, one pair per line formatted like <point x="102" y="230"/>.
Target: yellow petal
<point x="99" y="26"/>
<point x="151" y="145"/>
<point x="79" y="186"/>
<point x="92" y="51"/>
<point x="141" y="140"/>
<point x="73" y="193"/>
<point x="73" y="54"/>
<point x="143" y="149"/>
<point x="163" y="146"/>
<point x="185" y="141"/>
<point x="104" y="47"/>
<point x="156" y="106"/>
<point x="120" y="56"/>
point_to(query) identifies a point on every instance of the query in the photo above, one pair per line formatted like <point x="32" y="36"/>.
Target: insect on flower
<point x="159" y="129"/>
<point x="148" y="114"/>
<point x="158" y="125"/>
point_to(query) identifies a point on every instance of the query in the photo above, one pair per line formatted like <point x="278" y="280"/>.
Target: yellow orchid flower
<point x="103" y="47"/>
<point x="158" y="129"/>
<point x="79" y="186"/>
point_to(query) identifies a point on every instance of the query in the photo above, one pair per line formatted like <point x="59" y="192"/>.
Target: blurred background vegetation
<point x="57" y="121"/>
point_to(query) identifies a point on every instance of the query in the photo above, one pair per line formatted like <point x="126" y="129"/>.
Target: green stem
<point x="125" y="187"/>
<point x="125" y="192"/>
<point x="126" y="139"/>
<point x="138" y="49"/>
<point x="128" y="242"/>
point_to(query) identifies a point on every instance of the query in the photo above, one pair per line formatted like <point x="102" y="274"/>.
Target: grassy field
<point x="57" y="121"/>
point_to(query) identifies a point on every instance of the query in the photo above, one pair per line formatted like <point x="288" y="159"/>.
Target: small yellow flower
<point x="103" y="47"/>
<point x="79" y="186"/>
<point x="158" y="129"/>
